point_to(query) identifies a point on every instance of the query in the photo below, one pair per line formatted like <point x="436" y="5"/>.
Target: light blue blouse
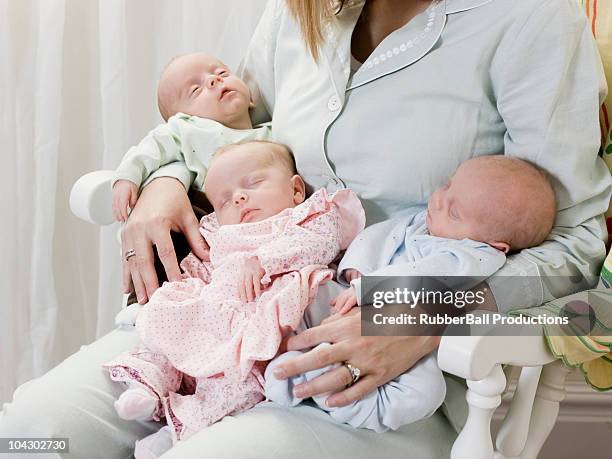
<point x="463" y="78"/>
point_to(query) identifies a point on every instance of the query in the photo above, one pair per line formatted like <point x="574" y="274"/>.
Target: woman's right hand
<point x="163" y="206"/>
<point x="379" y="358"/>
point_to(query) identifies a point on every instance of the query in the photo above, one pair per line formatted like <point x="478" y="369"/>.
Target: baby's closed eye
<point x="254" y="182"/>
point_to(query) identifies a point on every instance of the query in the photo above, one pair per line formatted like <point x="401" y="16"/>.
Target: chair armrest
<point x="91" y="198"/>
<point x="479" y="360"/>
<point x="473" y="357"/>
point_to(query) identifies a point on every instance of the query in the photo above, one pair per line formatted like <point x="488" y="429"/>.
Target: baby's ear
<point x="501" y="246"/>
<point x="251" y="104"/>
<point x="299" y="189"/>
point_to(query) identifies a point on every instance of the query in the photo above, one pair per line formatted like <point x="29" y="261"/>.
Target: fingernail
<point x="299" y="392"/>
<point x="279" y="373"/>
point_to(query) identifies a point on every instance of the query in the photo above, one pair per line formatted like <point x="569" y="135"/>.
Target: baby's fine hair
<point x="520" y="222"/>
<point x="276" y="153"/>
<point x="163" y="111"/>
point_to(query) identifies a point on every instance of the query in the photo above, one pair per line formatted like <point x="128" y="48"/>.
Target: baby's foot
<point x="136" y="405"/>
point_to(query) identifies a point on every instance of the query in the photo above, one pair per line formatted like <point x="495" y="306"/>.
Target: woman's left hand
<point x="379" y="358"/>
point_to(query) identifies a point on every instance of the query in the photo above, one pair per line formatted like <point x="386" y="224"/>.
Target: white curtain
<point x="77" y="89"/>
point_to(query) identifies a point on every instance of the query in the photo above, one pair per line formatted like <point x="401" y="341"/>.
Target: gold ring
<point x="355" y="373"/>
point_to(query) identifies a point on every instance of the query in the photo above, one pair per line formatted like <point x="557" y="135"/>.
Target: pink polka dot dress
<point x="204" y="350"/>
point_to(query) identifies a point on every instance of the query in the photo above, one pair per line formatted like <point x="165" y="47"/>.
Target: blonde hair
<point x="277" y="154"/>
<point x="311" y="15"/>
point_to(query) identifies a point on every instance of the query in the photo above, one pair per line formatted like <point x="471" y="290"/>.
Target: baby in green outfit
<point x="205" y="107"/>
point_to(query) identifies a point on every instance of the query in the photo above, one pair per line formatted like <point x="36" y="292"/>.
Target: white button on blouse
<point x="333" y="103"/>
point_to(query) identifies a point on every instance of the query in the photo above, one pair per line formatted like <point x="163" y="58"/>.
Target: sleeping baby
<point x="205" y="107"/>
<point x="491" y="206"/>
<point x="206" y="339"/>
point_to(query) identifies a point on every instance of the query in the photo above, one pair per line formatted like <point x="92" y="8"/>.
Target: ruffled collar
<point x="346" y="202"/>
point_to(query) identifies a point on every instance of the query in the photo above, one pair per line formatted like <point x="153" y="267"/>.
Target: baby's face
<point x="458" y="209"/>
<point x="244" y="187"/>
<point x="201" y="85"/>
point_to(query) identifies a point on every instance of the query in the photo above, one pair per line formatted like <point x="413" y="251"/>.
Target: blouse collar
<point x="456" y="6"/>
<point x="399" y="49"/>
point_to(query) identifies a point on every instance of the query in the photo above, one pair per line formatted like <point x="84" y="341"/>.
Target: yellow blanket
<point x="599" y="13"/>
<point x="586" y="342"/>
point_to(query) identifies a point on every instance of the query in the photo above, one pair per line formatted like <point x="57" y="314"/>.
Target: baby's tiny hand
<point x="250" y="286"/>
<point x="125" y="195"/>
<point x="344" y="302"/>
<point x="351" y="274"/>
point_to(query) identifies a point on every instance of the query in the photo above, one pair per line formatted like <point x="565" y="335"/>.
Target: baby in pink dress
<point x="207" y="339"/>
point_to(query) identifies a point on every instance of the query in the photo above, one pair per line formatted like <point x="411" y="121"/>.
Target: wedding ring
<point x="129" y="254"/>
<point x="355" y="373"/>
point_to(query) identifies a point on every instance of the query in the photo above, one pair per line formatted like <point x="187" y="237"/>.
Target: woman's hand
<point x="380" y="358"/>
<point x="163" y="206"/>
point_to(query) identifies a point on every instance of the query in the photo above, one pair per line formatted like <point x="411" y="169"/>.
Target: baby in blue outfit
<point x="491" y="206"/>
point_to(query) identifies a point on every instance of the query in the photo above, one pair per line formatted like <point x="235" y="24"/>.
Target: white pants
<point x="75" y="400"/>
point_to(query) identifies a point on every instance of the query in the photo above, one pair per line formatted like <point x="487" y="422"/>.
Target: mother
<point x="386" y="97"/>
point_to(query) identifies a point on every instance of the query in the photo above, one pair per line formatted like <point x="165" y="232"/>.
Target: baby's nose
<point x="213" y="80"/>
<point x="240" y="197"/>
